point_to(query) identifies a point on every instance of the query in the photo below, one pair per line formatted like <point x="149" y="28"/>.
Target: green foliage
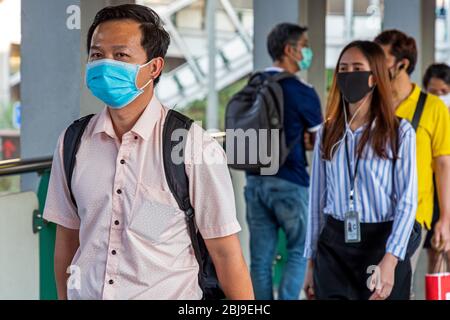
<point x="7" y="184"/>
<point x="6" y="116"/>
<point x="330" y="74"/>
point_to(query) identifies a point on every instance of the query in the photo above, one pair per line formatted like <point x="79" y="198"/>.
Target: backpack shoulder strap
<point x="419" y="110"/>
<point x="175" y="173"/>
<point x="274" y="77"/>
<point x="72" y="139"/>
<point x="281" y="76"/>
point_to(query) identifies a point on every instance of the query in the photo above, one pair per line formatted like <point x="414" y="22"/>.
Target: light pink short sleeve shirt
<point x="134" y="242"/>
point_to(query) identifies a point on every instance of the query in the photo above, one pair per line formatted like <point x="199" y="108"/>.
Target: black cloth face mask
<point x="354" y="86"/>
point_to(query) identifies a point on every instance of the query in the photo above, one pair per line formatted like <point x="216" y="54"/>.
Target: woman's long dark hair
<point x="381" y="109"/>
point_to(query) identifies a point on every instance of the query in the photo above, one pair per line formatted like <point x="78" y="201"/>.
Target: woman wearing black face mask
<point x="363" y="187"/>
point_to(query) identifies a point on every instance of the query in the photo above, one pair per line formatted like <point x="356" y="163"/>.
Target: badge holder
<point x="352" y="224"/>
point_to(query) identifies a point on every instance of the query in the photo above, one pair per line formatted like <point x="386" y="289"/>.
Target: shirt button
<point x="119" y="191"/>
<point x="111" y="281"/>
<point x="116" y="222"/>
<point x="122" y="161"/>
<point x="113" y="252"/>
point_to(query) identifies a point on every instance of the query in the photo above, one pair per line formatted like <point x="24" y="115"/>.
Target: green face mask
<point x="307" y="54"/>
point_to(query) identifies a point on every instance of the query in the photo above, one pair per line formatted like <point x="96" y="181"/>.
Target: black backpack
<point x="178" y="184"/>
<point x="258" y="106"/>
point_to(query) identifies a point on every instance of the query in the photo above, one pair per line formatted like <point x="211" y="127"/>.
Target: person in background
<point x="281" y="201"/>
<point x="436" y="80"/>
<point x="363" y="196"/>
<point x="433" y="135"/>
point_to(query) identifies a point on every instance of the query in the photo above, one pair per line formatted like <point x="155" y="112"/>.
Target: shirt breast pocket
<point x="155" y="214"/>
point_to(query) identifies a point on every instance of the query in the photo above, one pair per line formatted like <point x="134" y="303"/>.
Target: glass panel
<point x="348" y="20"/>
<point x="442" y="53"/>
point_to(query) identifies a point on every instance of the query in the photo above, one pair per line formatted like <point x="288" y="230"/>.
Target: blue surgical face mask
<point x="307" y="54"/>
<point x="114" y="82"/>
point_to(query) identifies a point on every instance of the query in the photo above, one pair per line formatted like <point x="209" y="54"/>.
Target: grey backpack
<point x="255" y="137"/>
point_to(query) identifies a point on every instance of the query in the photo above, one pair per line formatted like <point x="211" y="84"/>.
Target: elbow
<point x="442" y="165"/>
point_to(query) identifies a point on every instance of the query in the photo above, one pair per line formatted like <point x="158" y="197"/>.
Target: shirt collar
<point x="274" y="69"/>
<point x="104" y="124"/>
<point x="145" y="124"/>
<point x="362" y="128"/>
<point x="412" y="98"/>
<point x="143" y="127"/>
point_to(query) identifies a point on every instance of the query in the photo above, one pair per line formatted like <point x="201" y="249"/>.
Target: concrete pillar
<point x="348" y="20"/>
<point x="428" y="9"/>
<point x="4" y="77"/>
<point x="212" y="108"/>
<point x="416" y="18"/>
<point x="5" y="43"/>
<point x="313" y="14"/>
<point x="267" y="14"/>
<point x="50" y="71"/>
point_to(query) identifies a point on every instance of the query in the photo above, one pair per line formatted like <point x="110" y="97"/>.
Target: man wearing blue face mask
<point x="125" y="224"/>
<point x="281" y="201"/>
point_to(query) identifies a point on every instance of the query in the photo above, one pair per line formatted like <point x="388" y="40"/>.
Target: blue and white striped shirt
<point x="378" y="198"/>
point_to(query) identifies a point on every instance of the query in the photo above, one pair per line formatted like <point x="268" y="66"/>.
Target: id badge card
<point x="352" y="227"/>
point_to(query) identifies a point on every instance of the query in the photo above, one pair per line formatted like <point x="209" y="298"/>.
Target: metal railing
<point x="38" y="165"/>
<point x="19" y="166"/>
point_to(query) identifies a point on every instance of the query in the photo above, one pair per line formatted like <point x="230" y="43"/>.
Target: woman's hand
<point x="382" y="280"/>
<point x="309" y="281"/>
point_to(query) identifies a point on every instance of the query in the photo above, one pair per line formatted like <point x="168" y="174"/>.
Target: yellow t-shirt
<point x="433" y="140"/>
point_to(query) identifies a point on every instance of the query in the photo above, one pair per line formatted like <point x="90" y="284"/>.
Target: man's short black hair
<point x="155" y="40"/>
<point x="282" y="35"/>
<point x="402" y="46"/>
<point x="439" y="71"/>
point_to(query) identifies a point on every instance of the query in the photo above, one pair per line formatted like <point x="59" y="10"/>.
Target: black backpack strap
<point x="279" y="76"/>
<point x="176" y="175"/>
<point x="72" y="139"/>
<point x="419" y="110"/>
<point x="179" y="186"/>
<point x="282" y="75"/>
<point x="175" y="172"/>
<point x="416" y="233"/>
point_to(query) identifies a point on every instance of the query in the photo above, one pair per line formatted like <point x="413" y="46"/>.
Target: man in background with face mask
<point x="433" y="135"/>
<point x="126" y="238"/>
<point x="281" y="201"/>
<point x="436" y="80"/>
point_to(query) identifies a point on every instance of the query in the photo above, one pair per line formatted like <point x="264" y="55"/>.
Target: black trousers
<point x="341" y="269"/>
